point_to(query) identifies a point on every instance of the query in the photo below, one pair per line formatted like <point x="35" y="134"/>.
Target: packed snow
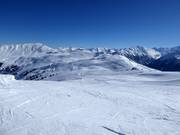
<point x="126" y="103"/>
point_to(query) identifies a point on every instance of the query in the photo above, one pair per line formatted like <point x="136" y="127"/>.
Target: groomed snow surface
<point x="114" y="104"/>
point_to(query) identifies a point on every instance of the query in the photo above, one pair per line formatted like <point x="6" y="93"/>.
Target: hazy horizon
<point x="86" y="47"/>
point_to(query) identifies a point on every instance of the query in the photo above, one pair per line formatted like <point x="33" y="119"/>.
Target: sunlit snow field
<point x="125" y="103"/>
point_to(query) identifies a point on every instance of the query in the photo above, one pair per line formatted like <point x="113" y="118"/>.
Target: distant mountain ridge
<point x="36" y="61"/>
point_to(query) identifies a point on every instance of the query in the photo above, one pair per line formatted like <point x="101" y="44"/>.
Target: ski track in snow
<point x="121" y="104"/>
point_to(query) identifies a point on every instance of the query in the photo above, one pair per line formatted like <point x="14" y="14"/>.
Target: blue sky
<point x="91" y="23"/>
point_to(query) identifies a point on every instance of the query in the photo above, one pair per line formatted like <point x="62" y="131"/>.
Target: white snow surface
<point x="123" y="103"/>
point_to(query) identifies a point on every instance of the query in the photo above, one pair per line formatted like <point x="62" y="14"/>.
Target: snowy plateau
<point x="88" y="91"/>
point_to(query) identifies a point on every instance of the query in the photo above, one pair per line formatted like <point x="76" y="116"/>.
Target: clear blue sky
<point x="91" y="23"/>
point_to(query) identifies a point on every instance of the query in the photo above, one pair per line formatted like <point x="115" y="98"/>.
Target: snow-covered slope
<point x="122" y="104"/>
<point x="9" y="53"/>
<point x="37" y="62"/>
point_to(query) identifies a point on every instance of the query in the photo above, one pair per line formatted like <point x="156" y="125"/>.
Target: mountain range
<point x="36" y="61"/>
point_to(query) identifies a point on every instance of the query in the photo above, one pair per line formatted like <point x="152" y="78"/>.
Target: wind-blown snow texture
<point x="122" y="104"/>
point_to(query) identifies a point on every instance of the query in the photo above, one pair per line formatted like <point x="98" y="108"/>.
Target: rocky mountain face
<point x="169" y="61"/>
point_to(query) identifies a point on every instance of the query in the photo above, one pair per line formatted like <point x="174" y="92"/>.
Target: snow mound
<point x="6" y="79"/>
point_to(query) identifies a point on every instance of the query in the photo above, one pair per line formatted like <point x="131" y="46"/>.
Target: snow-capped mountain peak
<point x="8" y="53"/>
